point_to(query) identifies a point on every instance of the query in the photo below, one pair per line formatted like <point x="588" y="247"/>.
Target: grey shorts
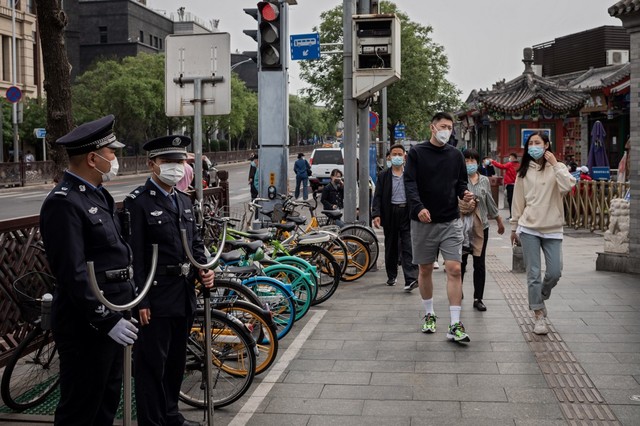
<point x="428" y="238"/>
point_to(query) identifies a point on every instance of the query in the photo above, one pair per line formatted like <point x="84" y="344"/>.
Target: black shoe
<point x="466" y="250"/>
<point x="479" y="305"/>
<point x="391" y="282"/>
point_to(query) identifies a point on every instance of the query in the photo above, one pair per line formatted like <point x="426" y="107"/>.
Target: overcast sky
<point x="483" y="39"/>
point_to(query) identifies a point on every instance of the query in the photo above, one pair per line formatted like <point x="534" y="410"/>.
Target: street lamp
<point x="234" y="66"/>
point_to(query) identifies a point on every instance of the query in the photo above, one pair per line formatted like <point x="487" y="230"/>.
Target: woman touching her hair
<point x="537" y="218"/>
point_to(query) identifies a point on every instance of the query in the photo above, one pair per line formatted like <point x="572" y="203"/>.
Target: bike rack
<point x="207" y="310"/>
<point x="93" y="284"/>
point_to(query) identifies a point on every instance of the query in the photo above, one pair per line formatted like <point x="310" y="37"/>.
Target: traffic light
<point x="253" y="12"/>
<point x="269" y="40"/>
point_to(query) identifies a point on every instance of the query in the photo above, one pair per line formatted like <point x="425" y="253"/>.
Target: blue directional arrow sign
<point x="305" y="46"/>
<point x="399" y="131"/>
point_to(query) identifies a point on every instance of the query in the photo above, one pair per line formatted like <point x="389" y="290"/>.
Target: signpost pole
<point x="15" y="82"/>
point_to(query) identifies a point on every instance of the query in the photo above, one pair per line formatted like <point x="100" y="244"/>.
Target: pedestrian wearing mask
<point x="435" y="178"/>
<point x="390" y="211"/>
<point x="158" y="214"/>
<point x="537" y="220"/>
<point x="78" y="224"/>
<point x="486" y="168"/>
<point x="333" y="194"/>
<point x="483" y="208"/>
<point x="254" y="176"/>
<point x="510" y="169"/>
<point x="302" y="169"/>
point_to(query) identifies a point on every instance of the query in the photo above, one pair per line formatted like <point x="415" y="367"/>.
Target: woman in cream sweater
<point x="537" y="216"/>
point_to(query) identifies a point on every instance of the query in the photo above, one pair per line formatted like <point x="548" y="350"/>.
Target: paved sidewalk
<point x="360" y="359"/>
<point x="366" y="361"/>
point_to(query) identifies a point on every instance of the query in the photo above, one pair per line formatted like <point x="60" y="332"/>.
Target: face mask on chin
<point x="113" y="171"/>
<point x="170" y="173"/>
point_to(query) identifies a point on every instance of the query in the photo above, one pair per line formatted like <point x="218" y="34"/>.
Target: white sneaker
<point x="435" y="265"/>
<point x="539" y="324"/>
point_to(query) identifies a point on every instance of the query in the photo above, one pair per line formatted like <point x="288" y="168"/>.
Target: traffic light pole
<point x="364" y="7"/>
<point x="349" y="108"/>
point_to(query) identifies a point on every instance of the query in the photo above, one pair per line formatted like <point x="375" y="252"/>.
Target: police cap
<point x="91" y="136"/>
<point x="173" y="147"/>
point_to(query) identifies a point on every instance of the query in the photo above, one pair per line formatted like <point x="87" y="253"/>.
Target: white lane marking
<point x="258" y="395"/>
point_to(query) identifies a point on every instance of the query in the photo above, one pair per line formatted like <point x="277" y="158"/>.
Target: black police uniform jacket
<point x="80" y="224"/>
<point x="155" y="219"/>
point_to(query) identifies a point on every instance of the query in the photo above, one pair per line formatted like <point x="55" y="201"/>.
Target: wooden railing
<point x="18" y="256"/>
<point x="587" y="207"/>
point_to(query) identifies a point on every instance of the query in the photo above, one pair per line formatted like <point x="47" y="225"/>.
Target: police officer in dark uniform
<point x="158" y="213"/>
<point x="79" y="223"/>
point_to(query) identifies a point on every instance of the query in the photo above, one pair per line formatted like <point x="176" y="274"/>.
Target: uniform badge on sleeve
<point x="156" y="212"/>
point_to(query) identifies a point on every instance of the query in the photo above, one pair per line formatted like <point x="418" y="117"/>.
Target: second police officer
<point x="158" y="212"/>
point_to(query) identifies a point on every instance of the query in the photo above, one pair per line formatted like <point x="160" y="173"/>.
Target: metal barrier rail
<point x="587" y="206"/>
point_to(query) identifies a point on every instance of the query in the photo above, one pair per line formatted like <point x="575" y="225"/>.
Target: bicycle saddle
<point x="333" y="214"/>
<point x="264" y="237"/>
<point x="249" y="246"/>
<point x="285" y="226"/>
<point x="231" y="256"/>
<point x="314" y="238"/>
<point x="300" y="220"/>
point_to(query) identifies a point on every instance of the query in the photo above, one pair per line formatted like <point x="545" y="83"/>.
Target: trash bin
<point x="496" y="183"/>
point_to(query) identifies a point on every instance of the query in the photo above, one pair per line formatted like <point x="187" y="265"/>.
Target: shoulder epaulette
<point x="139" y="190"/>
<point x="63" y="189"/>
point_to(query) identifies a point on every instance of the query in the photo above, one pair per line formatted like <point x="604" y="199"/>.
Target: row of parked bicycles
<point x="266" y="280"/>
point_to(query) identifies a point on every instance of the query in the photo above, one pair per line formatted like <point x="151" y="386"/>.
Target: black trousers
<point x="397" y="238"/>
<point x="510" y="195"/>
<point x="479" y="269"/>
<point x="159" y="359"/>
<point x="90" y="379"/>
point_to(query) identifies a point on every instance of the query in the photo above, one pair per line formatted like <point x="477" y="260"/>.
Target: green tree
<point x="422" y="91"/>
<point x="132" y="89"/>
<point x="307" y="120"/>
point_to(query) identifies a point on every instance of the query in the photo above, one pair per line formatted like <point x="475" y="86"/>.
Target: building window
<point x="155" y="42"/>
<point x="160" y="41"/>
<point x="150" y="40"/>
<point x="141" y="38"/>
<point x="103" y="35"/>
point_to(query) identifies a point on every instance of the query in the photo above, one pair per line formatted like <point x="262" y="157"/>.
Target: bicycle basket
<point x="29" y="288"/>
<point x="278" y="213"/>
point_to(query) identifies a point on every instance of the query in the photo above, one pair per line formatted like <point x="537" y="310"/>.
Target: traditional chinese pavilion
<point x="495" y="120"/>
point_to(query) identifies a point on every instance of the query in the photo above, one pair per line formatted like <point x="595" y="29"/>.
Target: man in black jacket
<point x="390" y="210"/>
<point x="435" y="177"/>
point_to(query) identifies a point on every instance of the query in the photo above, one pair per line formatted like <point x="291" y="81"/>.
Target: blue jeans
<point x="305" y="187"/>
<point x="540" y="289"/>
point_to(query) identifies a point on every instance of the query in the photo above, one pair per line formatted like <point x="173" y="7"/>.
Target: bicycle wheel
<point x="299" y="282"/>
<point x="327" y="267"/>
<point x="224" y="288"/>
<point x="277" y="299"/>
<point x="366" y="234"/>
<point x="304" y="266"/>
<point x="339" y="251"/>
<point x="260" y="325"/>
<point x="33" y="371"/>
<point x="233" y="359"/>
<point x="359" y="258"/>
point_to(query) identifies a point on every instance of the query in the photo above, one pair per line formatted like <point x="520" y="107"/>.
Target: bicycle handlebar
<point x="187" y="249"/>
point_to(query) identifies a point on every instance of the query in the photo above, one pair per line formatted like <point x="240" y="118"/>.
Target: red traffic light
<point x="268" y="11"/>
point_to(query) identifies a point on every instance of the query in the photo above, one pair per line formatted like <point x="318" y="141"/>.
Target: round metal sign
<point x="14" y="94"/>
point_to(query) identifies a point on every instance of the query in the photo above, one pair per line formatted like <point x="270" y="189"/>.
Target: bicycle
<point x="33" y="371"/>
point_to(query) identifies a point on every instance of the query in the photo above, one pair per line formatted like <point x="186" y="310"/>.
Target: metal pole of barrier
<point x="126" y="309"/>
<point x="207" y="313"/>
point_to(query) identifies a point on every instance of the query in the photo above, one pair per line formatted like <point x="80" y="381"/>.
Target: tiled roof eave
<point x="624" y="7"/>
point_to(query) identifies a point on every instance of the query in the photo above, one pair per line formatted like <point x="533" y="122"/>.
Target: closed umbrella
<point x="597" y="153"/>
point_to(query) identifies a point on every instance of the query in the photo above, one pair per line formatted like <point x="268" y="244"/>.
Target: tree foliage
<point x="422" y="91"/>
<point x="307" y="121"/>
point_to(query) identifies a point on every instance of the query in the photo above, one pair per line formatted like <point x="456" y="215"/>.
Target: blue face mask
<point x="397" y="161"/>
<point x="472" y="169"/>
<point x="388" y="163"/>
<point x="536" y="152"/>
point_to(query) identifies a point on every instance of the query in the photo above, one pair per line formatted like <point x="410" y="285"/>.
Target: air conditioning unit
<point x="616" y="57"/>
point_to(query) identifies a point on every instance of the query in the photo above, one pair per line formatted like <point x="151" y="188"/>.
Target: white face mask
<point x="113" y="171"/>
<point x="442" y="136"/>
<point x="171" y="173"/>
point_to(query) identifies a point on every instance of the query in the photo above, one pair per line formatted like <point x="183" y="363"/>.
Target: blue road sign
<point x="305" y="46"/>
<point x="40" y="133"/>
<point x="374" y="119"/>
<point x="14" y="94"/>
<point x="399" y="131"/>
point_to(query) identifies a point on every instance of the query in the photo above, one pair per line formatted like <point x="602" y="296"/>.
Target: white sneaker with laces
<point x="539" y="324"/>
<point x="435" y="265"/>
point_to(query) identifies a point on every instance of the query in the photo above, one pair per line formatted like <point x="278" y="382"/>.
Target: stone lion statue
<point x="616" y="238"/>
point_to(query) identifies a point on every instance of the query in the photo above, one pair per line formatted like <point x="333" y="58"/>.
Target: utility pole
<point x="15" y="82"/>
<point x="349" y="108"/>
<point x="364" y="7"/>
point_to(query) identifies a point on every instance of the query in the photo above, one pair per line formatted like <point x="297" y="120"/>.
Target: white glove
<point x="124" y="332"/>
